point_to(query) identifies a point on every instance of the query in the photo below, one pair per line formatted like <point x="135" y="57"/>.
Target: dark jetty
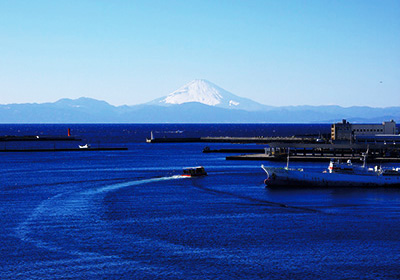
<point x="12" y="138"/>
<point x="67" y="149"/>
<point x="239" y="140"/>
<point x="48" y="138"/>
<point x="248" y="151"/>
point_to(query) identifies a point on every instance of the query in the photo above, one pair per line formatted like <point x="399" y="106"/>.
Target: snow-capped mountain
<point x="205" y="92"/>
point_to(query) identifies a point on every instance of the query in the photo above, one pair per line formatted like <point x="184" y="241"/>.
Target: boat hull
<point x="281" y="177"/>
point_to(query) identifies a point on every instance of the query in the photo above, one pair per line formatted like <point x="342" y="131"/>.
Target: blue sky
<point x="130" y="52"/>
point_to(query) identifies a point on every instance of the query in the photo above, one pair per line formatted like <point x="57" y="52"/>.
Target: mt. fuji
<point x="205" y="92"/>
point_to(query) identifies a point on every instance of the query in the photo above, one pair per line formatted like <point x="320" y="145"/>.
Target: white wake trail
<point x="114" y="187"/>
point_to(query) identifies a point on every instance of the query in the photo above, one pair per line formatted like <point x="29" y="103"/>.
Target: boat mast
<point x="287" y="161"/>
<point x="364" y="157"/>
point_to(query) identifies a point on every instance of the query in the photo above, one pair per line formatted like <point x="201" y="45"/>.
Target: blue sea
<point x="130" y="215"/>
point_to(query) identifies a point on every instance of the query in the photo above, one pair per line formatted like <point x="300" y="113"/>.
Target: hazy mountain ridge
<point x="199" y="101"/>
<point x="86" y="110"/>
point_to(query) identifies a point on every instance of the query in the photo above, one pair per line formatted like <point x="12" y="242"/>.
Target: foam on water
<point x="114" y="187"/>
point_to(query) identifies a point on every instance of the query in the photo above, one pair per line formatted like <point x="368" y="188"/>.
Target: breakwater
<point x="67" y="149"/>
<point x="249" y="151"/>
<point x="237" y="140"/>
<point x="29" y="138"/>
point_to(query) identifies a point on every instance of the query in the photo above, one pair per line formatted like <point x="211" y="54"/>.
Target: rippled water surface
<point x="130" y="215"/>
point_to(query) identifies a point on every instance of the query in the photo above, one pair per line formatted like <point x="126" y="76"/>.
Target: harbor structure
<point x="320" y="152"/>
<point x="345" y="131"/>
<point x="348" y="142"/>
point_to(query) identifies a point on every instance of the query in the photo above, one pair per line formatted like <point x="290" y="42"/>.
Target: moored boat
<point x="337" y="175"/>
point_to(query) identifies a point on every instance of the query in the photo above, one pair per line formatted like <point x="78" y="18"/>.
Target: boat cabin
<point x="86" y="146"/>
<point x="338" y="167"/>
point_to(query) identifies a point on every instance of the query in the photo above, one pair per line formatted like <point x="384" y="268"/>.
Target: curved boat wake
<point x="72" y="213"/>
<point x="72" y="225"/>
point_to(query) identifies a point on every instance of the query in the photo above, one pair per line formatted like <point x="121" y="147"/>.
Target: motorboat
<point x="194" y="171"/>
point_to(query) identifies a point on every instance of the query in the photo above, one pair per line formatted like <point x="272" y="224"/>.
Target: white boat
<point x="151" y="138"/>
<point x="86" y="146"/>
<point x="337" y="175"/>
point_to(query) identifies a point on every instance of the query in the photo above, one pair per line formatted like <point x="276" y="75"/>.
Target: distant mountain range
<point x="197" y="102"/>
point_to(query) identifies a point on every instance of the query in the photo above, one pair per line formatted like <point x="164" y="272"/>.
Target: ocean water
<point x="130" y="215"/>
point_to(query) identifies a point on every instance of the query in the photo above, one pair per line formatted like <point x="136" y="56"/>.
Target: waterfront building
<point x="345" y="131"/>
